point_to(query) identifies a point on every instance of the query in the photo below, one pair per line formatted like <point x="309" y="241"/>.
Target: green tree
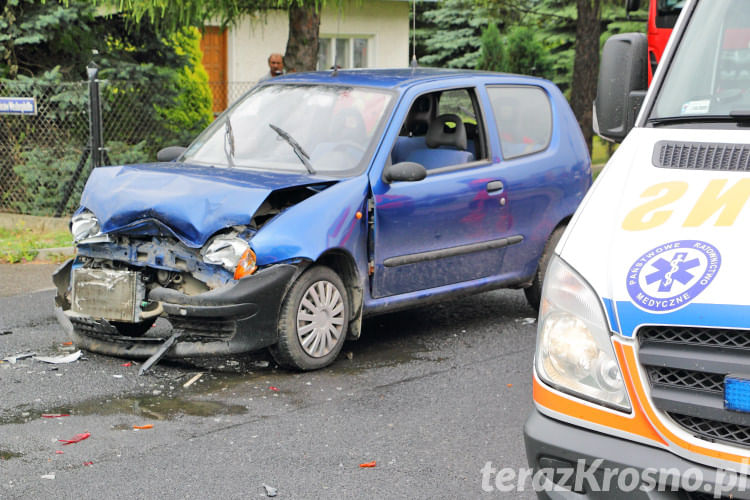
<point x="526" y="54"/>
<point x="492" y="55"/>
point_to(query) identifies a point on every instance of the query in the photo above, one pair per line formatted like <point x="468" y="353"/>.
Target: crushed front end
<point x="112" y="293"/>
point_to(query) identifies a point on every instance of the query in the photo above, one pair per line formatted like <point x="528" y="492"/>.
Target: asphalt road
<point x="431" y="395"/>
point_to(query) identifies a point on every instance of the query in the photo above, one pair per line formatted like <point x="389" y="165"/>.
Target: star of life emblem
<point x="671" y="275"/>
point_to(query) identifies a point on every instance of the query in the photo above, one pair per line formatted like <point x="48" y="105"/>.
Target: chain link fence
<point x="45" y="158"/>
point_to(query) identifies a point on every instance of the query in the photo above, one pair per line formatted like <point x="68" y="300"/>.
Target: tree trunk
<point x="586" y="65"/>
<point x="302" y="45"/>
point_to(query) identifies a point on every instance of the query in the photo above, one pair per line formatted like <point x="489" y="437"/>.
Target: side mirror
<point x="631" y="5"/>
<point x="406" y="171"/>
<point x="170" y="153"/>
<point x="623" y="81"/>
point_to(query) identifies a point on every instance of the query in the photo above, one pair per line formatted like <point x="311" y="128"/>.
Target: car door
<point x="452" y="226"/>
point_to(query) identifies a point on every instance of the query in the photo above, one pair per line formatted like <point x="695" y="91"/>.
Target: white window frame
<point x="350" y="55"/>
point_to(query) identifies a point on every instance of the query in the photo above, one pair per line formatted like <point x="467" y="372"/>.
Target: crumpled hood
<point x="665" y="245"/>
<point x="192" y="201"/>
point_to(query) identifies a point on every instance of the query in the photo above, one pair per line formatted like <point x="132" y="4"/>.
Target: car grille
<point x="701" y="156"/>
<point x="686" y="368"/>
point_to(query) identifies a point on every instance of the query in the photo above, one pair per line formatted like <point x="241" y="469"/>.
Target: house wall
<point x="386" y="23"/>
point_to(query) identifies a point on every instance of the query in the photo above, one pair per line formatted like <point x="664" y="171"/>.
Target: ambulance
<point x="641" y="380"/>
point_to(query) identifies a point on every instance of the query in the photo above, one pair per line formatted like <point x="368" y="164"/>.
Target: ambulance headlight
<point x="574" y="349"/>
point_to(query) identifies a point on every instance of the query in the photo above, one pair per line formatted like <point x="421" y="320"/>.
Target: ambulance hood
<point x="663" y="235"/>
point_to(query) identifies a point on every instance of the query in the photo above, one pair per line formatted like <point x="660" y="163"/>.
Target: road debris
<point x="270" y="490"/>
<point x="59" y="360"/>
<point x="59" y="452"/>
<point x="166" y="346"/>
<point x="12" y="359"/>
<point x="48" y="476"/>
<point x="76" y="439"/>
<point x="526" y="321"/>
<point x="368" y="465"/>
<point x="274" y="389"/>
<point x="349" y="355"/>
<point x="66" y="344"/>
<point x="88" y="463"/>
<point x="127" y="365"/>
<point x="117" y="376"/>
<point x="192" y="380"/>
<point x="6" y="332"/>
<point x="141" y="427"/>
<point x="509" y="385"/>
<point x="55" y="415"/>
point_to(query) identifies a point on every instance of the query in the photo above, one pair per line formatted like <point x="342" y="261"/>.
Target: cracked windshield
<point x="317" y="128"/>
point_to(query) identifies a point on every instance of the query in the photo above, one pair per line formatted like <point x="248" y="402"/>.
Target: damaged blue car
<point x="318" y="199"/>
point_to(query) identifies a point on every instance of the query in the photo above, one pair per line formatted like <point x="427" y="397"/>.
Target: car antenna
<point x="414" y="64"/>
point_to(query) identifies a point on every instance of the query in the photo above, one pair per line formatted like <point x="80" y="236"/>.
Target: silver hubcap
<point x="320" y="319"/>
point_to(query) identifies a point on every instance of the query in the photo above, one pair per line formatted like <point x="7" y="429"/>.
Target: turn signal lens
<point x="246" y="266"/>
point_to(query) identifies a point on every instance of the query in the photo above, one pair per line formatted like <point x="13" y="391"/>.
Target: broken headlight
<point x="232" y="253"/>
<point x="84" y="225"/>
<point x="574" y="348"/>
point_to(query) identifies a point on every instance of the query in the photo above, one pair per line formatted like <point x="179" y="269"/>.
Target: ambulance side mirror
<point x="623" y="81"/>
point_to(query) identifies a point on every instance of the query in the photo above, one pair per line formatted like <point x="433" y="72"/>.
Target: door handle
<point x="495" y="186"/>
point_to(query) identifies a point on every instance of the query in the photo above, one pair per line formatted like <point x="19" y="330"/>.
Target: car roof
<point x="388" y="78"/>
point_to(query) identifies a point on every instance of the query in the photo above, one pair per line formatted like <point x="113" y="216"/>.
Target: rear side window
<point x="523" y="116"/>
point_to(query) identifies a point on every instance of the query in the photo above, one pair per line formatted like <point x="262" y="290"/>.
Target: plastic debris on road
<point x="59" y="360"/>
<point x="12" y="359"/>
<point x="6" y="332"/>
<point x="59" y="452"/>
<point x="368" y="465"/>
<point x="76" y="439"/>
<point x="270" y="490"/>
<point x="274" y="389"/>
<point x="48" y="476"/>
<point x="141" y="427"/>
<point x="55" y="415"/>
<point x="192" y="380"/>
<point x="88" y="463"/>
<point x="127" y="365"/>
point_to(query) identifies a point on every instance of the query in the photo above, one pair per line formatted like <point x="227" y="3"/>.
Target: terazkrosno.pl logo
<point x="673" y="274"/>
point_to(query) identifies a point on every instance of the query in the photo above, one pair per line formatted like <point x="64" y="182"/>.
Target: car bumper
<point x="239" y="317"/>
<point x="660" y="474"/>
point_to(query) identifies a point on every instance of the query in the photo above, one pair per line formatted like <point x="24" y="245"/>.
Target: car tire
<point x="133" y="329"/>
<point x="534" y="292"/>
<point x="313" y="321"/>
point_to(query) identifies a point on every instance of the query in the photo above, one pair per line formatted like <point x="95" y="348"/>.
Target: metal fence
<point x="45" y="158"/>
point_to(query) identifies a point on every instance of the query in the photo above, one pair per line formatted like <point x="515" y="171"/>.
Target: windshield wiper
<point x="298" y="150"/>
<point x="739" y="116"/>
<point x="229" y="141"/>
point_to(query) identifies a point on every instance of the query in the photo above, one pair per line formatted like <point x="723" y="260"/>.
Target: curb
<point x="47" y="253"/>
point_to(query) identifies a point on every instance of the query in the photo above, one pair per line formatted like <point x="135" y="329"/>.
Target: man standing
<point x="275" y="67"/>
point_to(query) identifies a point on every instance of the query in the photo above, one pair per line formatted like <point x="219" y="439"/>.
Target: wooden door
<point x="214" y="47"/>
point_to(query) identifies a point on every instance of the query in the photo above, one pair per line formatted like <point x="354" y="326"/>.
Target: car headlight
<point x="232" y="253"/>
<point x="84" y="225"/>
<point x="574" y="349"/>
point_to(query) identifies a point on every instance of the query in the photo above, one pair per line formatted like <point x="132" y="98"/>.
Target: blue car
<point x="318" y="199"/>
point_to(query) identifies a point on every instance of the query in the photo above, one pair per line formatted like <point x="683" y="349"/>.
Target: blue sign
<point x="737" y="393"/>
<point x="17" y="105"/>
<point x="671" y="275"/>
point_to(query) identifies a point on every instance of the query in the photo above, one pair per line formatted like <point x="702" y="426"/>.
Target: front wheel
<point x="313" y="321"/>
<point x="534" y="292"/>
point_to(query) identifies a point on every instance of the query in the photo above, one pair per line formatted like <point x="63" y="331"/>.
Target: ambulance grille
<point x="702" y="156"/>
<point x="686" y="367"/>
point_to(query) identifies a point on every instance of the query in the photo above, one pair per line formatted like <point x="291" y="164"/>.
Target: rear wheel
<point x="313" y="321"/>
<point x="534" y="292"/>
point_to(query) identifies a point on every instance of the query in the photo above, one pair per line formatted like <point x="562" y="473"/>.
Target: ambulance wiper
<point x="737" y="116"/>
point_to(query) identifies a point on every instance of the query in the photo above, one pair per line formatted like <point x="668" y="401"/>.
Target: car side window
<point x="442" y="129"/>
<point x="523" y="116"/>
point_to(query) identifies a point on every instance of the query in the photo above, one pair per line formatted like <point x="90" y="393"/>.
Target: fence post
<point x="95" y="115"/>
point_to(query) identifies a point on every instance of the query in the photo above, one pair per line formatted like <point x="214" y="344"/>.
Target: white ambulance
<point x="642" y="367"/>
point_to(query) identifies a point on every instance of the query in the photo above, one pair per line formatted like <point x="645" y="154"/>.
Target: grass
<point x="22" y="244"/>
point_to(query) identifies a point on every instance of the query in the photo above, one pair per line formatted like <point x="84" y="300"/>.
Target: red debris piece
<point x="59" y="452"/>
<point x="67" y="343"/>
<point x="368" y="464"/>
<point x="88" y="463"/>
<point x="55" y="415"/>
<point x="147" y="426"/>
<point x="274" y="389"/>
<point x="127" y="365"/>
<point x="76" y="439"/>
<point x="510" y="385"/>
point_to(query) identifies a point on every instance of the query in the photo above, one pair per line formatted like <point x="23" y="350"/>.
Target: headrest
<point x="440" y="134"/>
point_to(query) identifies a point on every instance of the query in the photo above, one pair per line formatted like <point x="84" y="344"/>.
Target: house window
<point x="345" y="52"/>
